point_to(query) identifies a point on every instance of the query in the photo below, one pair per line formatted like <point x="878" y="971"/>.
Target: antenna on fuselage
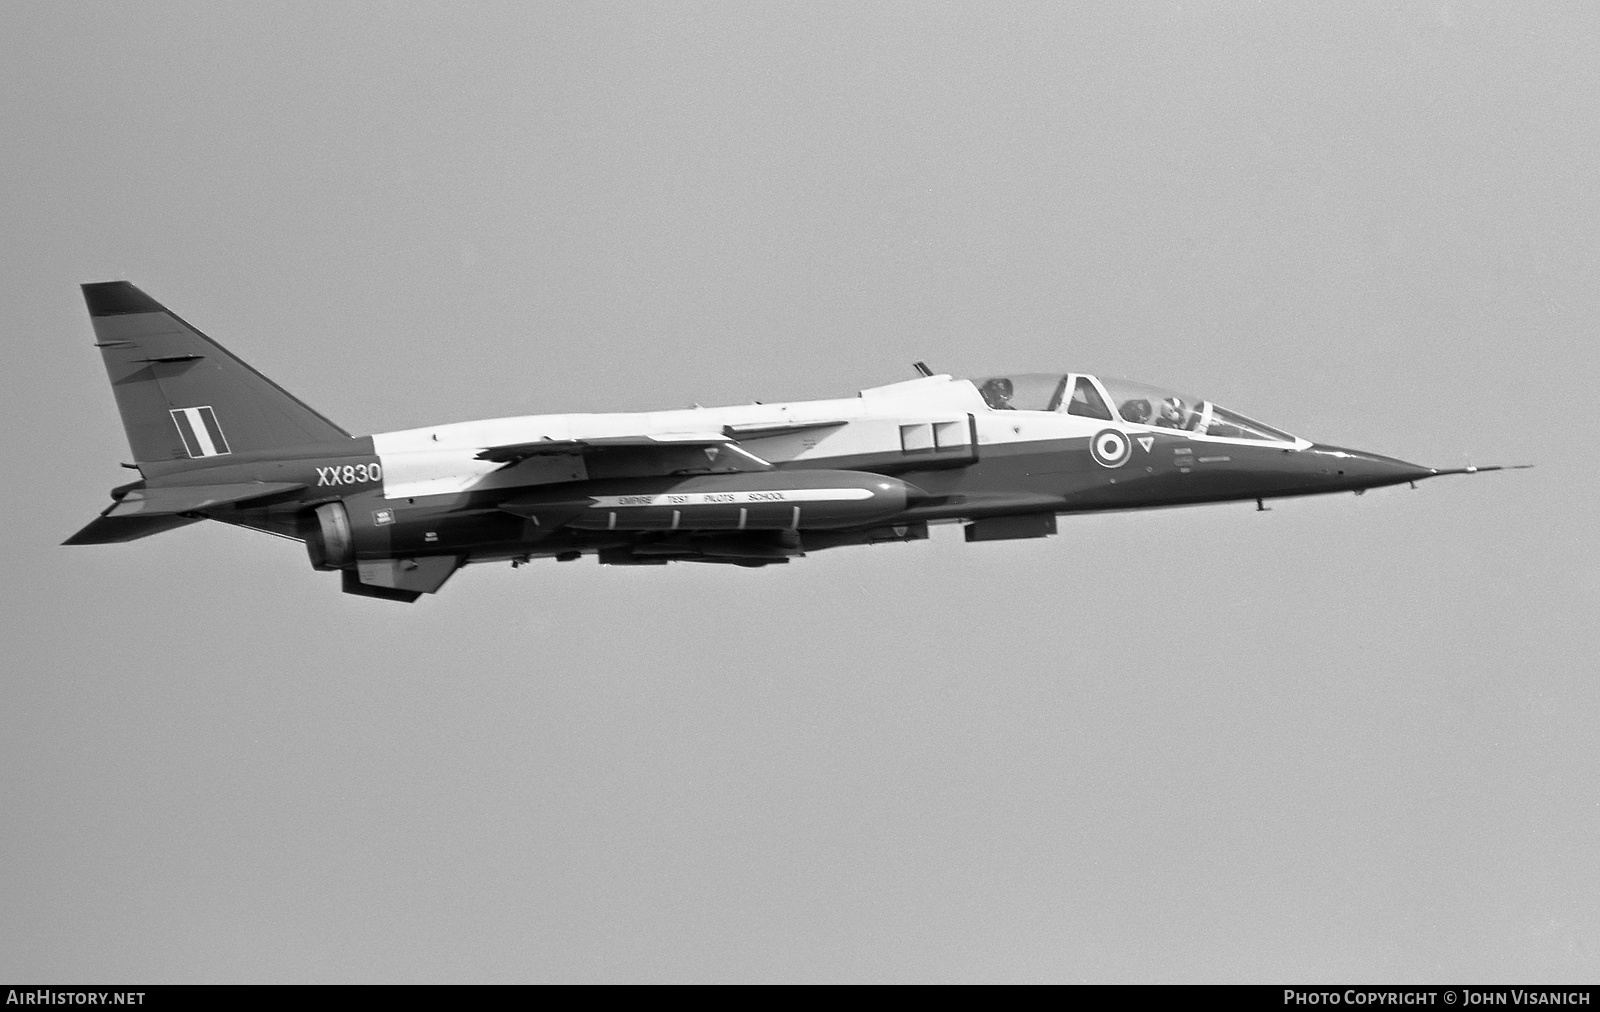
<point x="922" y="368"/>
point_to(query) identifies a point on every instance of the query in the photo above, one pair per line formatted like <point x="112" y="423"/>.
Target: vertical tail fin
<point x="185" y="398"/>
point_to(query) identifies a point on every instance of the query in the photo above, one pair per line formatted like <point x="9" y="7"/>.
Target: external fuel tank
<point x="746" y="501"/>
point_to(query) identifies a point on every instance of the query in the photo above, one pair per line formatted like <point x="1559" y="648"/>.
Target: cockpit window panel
<point x="1232" y="425"/>
<point x="1142" y="404"/>
<point x="1108" y="399"/>
<point x="1028" y="391"/>
<point x="1086" y="401"/>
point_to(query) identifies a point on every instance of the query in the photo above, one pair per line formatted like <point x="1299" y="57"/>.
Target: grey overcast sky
<point x="1348" y="739"/>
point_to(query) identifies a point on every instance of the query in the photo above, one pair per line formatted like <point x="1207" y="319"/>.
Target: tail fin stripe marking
<point x="180" y="418"/>
<point x="218" y="443"/>
<point x="202" y="436"/>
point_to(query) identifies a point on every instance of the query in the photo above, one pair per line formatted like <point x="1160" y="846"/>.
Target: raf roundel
<point x="1111" y="448"/>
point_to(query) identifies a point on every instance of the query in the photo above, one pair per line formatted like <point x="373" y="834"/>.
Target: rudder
<point x="183" y="397"/>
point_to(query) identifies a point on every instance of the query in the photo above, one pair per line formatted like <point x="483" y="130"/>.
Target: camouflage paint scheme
<point x="750" y="485"/>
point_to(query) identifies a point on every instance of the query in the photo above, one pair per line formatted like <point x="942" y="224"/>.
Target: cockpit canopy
<point x="1135" y="403"/>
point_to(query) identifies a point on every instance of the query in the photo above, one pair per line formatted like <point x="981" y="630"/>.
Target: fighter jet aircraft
<point x="395" y="514"/>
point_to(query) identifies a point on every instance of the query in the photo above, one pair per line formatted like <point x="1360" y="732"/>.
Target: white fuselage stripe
<point x="792" y="495"/>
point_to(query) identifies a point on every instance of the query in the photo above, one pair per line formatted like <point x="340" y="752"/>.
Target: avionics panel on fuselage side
<point x="397" y="513"/>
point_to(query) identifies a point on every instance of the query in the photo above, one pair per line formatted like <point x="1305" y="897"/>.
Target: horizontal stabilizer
<point x="115" y="530"/>
<point x="152" y="502"/>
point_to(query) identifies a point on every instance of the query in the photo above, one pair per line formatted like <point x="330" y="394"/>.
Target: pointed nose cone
<point x="1357" y="470"/>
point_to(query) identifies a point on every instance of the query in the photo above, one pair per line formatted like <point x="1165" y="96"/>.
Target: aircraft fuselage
<point x="753" y="484"/>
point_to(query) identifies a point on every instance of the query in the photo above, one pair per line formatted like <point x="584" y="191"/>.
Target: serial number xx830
<point x="350" y="474"/>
